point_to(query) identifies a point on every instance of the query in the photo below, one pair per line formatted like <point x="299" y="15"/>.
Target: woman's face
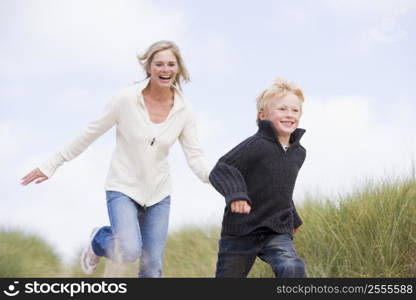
<point x="163" y="69"/>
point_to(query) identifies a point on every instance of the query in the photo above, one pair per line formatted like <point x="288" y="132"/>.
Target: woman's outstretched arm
<point x="93" y="130"/>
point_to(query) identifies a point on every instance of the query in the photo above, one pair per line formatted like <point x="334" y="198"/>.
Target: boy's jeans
<point x="236" y="255"/>
<point x="134" y="232"/>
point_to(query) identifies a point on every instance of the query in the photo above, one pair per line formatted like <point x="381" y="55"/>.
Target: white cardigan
<point x="139" y="167"/>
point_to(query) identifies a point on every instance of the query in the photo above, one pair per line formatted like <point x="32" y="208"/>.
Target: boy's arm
<point x="227" y="176"/>
<point x="297" y="221"/>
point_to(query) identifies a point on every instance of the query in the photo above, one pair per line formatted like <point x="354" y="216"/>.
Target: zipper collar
<point x="267" y="131"/>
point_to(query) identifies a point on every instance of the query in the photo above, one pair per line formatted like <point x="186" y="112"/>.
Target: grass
<point x="26" y="255"/>
<point x="368" y="233"/>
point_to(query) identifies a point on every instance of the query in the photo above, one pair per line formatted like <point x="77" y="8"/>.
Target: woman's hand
<point x="240" y="207"/>
<point x="35" y="174"/>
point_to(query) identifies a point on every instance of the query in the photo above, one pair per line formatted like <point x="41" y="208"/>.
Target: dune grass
<point x="26" y="255"/>
<point x="368" y="233"/>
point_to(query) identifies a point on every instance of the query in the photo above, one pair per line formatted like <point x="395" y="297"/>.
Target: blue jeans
<point x="135" y="232"/>
<point x="237" y="254"/>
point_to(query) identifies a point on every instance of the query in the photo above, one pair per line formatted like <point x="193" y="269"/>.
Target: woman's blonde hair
<point x="146" y="59"/>
<point x="279" y="89"/>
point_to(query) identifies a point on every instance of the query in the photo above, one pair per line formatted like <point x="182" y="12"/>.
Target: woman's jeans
<point x="237" y="254"/>
<point x="135" y="231"/>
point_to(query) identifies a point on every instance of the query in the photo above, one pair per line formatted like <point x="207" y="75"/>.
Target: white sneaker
<point x="89" y="260"/>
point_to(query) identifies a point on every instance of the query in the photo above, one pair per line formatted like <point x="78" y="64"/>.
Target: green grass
<point x="192" y="252"/>
<point x="370" y="233"/>
<point x="367" y="233"/>
<point x="26" y="255"/>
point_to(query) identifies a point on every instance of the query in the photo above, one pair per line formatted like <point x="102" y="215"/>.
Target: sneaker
<point x="89" y="260"/>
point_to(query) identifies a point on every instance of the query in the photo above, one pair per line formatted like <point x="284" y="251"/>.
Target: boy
<point x="257" y="179"/>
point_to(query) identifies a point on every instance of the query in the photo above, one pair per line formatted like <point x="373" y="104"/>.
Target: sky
<point x="61" y="61"/>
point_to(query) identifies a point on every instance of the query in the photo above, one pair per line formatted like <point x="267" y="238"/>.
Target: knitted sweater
<point x="139" y="166"/>
<point x="261" y="172"/>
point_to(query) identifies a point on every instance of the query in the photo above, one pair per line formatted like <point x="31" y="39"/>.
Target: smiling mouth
<point x="165" y="77"/>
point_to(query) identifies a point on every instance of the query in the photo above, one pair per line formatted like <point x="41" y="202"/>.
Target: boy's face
<point x="284" y="113"/>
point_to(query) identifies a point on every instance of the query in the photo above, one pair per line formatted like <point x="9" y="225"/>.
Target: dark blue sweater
<point x="260" y="171"/>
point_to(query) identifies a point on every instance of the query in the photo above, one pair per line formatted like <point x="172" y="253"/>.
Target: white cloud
<point x="388" y="30"/>
<point x="348" y="143"/>
<point x="380" y="21"/>
<point x="211" y="57"/>
<point x="95" y="34"/>
<point x="8" y="153"/>
<point x="369" y="7"/>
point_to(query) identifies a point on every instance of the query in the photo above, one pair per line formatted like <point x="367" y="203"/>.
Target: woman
<point x="150" y="116"/>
